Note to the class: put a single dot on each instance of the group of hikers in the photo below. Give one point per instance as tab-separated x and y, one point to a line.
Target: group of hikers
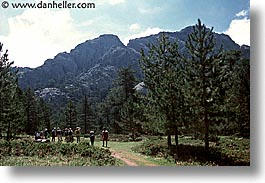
69	135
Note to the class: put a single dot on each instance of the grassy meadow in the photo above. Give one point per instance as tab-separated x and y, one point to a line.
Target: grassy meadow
150	151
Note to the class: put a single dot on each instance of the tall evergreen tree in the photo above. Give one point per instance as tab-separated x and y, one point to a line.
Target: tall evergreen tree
109	113
239	99
87	115
129	113
106	115
44	115
11	115
71	115
30	106
126	82
164	79
118	109
207	76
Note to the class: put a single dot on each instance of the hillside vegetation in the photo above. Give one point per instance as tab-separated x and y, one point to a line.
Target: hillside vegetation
29	153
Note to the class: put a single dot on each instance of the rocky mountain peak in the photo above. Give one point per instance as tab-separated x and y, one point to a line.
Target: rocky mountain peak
186	30
92	65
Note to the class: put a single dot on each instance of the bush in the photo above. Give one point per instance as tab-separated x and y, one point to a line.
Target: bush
97	156
154	148
119	138
230	152
125	138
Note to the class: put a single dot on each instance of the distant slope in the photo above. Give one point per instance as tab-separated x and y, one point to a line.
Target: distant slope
91	66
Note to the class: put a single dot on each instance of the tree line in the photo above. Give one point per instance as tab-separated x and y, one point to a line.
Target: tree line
24	112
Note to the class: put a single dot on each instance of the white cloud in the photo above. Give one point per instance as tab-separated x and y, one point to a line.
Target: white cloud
239	31
36	35
86	23
242	13
149	10
135	27
149	31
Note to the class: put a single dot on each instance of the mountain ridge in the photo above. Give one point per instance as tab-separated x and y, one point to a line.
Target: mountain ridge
91	66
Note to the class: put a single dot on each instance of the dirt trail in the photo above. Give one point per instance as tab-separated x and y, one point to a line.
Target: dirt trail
130	158
126	161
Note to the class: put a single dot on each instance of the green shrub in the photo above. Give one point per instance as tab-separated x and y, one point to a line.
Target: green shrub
96	156
156	148
231	151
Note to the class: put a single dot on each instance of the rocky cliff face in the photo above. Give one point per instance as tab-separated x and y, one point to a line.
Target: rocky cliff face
91	66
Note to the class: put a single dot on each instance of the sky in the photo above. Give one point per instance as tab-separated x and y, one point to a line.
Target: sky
35	35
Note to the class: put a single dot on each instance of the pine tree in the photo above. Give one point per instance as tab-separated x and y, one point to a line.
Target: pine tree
207	77
30	106
239	98
163	76
126	82
242	87
87	115
129	114
227	115
109	111
70	115
104	113
119	107
44	115
10	112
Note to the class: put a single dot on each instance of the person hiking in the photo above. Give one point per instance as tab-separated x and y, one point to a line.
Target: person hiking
92	137
70	133
41	134
66	135
53	134
105	136
77	134
37	136
59	134
46	133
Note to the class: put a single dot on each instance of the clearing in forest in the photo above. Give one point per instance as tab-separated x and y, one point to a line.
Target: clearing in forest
123	151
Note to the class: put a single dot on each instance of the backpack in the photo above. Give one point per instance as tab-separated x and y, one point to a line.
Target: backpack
46	133
91	134
53	133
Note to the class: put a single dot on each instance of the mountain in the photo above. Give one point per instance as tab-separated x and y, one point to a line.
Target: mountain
91	67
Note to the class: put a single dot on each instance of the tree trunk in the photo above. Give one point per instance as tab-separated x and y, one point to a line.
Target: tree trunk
169	140
206	138
85	121
206	122
176	139
133	134
132	125
8	135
